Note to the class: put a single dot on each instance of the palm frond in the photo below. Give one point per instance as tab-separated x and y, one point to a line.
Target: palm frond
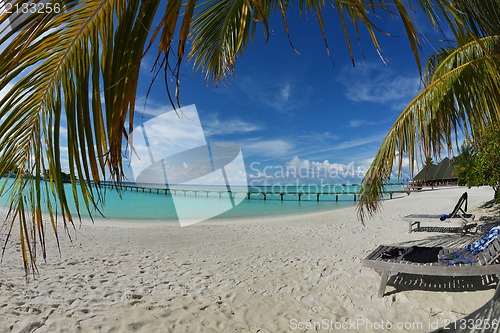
222	30
482	17
462	97
85	53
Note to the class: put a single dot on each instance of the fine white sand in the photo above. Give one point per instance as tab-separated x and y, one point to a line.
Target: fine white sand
280	274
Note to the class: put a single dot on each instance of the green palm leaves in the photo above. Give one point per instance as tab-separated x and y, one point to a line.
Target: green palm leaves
222	29
461	96
80	66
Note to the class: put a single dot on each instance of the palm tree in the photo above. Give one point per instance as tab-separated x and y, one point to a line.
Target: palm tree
460	96
53	60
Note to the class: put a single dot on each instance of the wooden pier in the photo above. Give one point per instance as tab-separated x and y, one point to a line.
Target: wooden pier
249	194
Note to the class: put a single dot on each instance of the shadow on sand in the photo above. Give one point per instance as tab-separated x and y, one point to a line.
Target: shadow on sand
485	319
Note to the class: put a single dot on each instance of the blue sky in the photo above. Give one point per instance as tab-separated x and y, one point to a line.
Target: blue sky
308	111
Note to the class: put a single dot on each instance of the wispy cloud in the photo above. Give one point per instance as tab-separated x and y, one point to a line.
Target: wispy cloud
311	147
358	142
280	94
272	148
337	145
150	107
312	138
285	91
354	123
213	125
375	83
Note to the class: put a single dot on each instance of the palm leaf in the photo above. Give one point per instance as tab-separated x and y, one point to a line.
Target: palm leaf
462	97
84	51
222	29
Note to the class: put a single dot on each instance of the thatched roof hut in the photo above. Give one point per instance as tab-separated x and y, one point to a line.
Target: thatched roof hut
441	174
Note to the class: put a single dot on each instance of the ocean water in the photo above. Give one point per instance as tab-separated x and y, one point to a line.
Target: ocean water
140	204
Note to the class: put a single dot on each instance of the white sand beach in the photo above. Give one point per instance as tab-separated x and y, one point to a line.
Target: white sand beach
279	274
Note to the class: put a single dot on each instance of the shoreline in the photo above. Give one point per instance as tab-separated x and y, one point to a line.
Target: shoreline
136	223
273	274
133	223
134	205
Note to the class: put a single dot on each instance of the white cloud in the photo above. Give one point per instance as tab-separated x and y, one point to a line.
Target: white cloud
354	123
375	83
213	125
150	107
285	92
349	144
64	158
317	137
305	171
273	148
327	170
280	94
309	145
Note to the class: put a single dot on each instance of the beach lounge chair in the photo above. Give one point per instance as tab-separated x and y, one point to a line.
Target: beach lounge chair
458	214
391	260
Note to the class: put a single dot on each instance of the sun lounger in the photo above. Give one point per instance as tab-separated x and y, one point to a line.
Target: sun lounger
391	260
458	220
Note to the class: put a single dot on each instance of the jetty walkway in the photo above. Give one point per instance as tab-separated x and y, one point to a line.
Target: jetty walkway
249	194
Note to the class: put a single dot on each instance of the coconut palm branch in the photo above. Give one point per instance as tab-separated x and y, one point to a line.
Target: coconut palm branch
80	66
461	96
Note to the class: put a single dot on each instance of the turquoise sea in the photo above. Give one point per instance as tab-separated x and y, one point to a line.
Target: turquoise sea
140	204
